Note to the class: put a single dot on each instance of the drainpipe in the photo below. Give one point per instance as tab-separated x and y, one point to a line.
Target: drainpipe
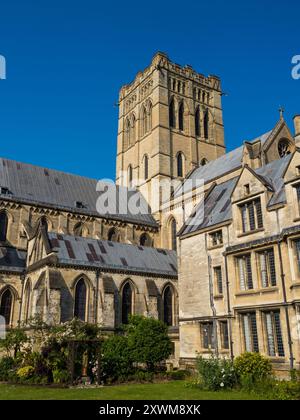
228	310
285	306
211	298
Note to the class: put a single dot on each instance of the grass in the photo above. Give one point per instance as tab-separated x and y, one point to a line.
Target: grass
175	390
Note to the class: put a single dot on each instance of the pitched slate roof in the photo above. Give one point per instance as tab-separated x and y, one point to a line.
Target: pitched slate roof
217	204
50	188
215	209
108	255
12	259
216	168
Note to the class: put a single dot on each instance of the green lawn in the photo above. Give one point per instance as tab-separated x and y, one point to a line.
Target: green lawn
169	391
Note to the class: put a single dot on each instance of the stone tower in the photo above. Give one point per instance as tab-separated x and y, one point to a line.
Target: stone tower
170	121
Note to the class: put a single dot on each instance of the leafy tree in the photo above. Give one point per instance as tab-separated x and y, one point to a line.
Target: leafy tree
148	341
14	341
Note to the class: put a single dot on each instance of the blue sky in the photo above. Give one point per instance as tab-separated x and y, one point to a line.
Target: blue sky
66	61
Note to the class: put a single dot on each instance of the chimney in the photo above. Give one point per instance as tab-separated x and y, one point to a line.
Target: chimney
297	129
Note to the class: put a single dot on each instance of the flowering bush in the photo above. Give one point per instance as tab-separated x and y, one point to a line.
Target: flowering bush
215	373
25	372
251	368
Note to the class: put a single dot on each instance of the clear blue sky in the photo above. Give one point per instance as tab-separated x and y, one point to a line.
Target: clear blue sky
67	59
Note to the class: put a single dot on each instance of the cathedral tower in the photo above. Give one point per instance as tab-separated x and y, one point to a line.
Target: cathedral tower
170	121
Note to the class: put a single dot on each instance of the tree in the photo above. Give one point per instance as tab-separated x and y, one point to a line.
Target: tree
148	341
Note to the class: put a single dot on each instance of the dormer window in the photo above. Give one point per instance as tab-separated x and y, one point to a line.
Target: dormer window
251	214
284	148
216	238
4	190
79	205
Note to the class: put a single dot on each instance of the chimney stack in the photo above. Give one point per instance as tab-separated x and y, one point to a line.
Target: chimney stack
297	129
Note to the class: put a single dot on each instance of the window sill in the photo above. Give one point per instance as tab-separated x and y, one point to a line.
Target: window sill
218	297
211	248
257	291
251	232
295	285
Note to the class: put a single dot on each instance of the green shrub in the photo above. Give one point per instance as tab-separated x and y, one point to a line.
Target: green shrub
142	376
215	373
60	376
116	359
7	368
25	372
148	341
251	368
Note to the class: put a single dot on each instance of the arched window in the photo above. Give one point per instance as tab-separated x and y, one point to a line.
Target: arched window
181	116
126	303
6	305
3	226
127	133
145	240
146	167
27	294
204	162
197	122
149	127
180	164
129	174
173	233
168	306
206	124
78	229
44	223
284	148
144	121
132	130
172	119
80	300
113	235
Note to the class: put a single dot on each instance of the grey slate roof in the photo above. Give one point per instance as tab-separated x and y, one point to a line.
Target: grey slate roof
12	259
216	208
47	187
224	164
217	205
108	255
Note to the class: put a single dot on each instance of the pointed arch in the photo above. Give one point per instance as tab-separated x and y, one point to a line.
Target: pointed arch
197	122
80	229
145	239
206	124
113	235
80	300
173	234
168	305
172	118
3	225
180	164
43	222
7	298
129	175
132	130
149	126
181	116
27	301
127	134
127	295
